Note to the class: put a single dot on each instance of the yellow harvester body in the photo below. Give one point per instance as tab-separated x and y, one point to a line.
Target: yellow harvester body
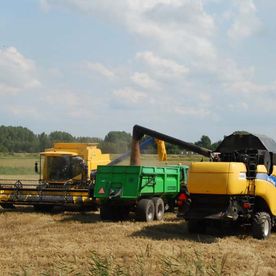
66	178
229	179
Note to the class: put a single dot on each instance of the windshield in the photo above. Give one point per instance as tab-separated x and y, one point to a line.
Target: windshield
60	168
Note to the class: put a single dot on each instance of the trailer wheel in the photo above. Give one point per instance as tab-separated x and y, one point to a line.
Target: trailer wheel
261	225
114	212
159	208
123	213
106	212
196	226
145	210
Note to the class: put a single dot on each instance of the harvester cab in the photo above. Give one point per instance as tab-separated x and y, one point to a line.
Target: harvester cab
238	185
252	150
74	162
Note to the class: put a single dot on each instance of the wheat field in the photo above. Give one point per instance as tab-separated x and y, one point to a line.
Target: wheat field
73	243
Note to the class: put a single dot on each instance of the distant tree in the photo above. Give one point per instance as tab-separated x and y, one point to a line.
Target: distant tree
115	136
204	142
44	141
215	145
21	139
174	149
60	136
88	140
17	139
116	142
3	149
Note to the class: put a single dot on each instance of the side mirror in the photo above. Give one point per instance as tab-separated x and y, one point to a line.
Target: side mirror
36	167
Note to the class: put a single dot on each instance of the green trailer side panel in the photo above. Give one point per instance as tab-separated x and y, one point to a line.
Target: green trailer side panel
158	180
112	179
132	182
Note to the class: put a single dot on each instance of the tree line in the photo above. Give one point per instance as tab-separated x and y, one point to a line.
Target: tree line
21	139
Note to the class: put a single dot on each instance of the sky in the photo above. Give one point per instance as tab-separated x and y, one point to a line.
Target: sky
186	68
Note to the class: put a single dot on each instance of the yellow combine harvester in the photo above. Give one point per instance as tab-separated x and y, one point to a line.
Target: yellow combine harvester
66	178
67	173
237	185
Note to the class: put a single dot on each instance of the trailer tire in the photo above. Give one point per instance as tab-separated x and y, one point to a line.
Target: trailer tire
106	212
114	212
261	225
159	208
196	226
123	213
145	210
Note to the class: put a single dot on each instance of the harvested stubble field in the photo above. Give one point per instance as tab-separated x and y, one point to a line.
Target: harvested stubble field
70	243
73	243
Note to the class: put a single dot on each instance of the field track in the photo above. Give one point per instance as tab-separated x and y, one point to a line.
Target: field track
70	243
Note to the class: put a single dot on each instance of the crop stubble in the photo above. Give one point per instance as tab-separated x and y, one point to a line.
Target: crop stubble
72	243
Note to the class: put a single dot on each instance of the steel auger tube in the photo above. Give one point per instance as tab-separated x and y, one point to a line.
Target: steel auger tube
138	132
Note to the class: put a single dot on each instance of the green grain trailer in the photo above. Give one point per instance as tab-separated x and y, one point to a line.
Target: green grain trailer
148	191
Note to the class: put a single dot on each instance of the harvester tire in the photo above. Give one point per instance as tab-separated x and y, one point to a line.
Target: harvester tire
196	226
261	225
159	208
7	206
145	210
43	208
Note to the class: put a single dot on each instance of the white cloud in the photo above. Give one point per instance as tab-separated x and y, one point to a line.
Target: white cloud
205	98
246	22
100	69
228	71
18	110
44	5
6	89
178	27
196	112
162	66
181	51
69	103
129	96
65	98
251	87
55	72
235	79
236	107
145	81
17	73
